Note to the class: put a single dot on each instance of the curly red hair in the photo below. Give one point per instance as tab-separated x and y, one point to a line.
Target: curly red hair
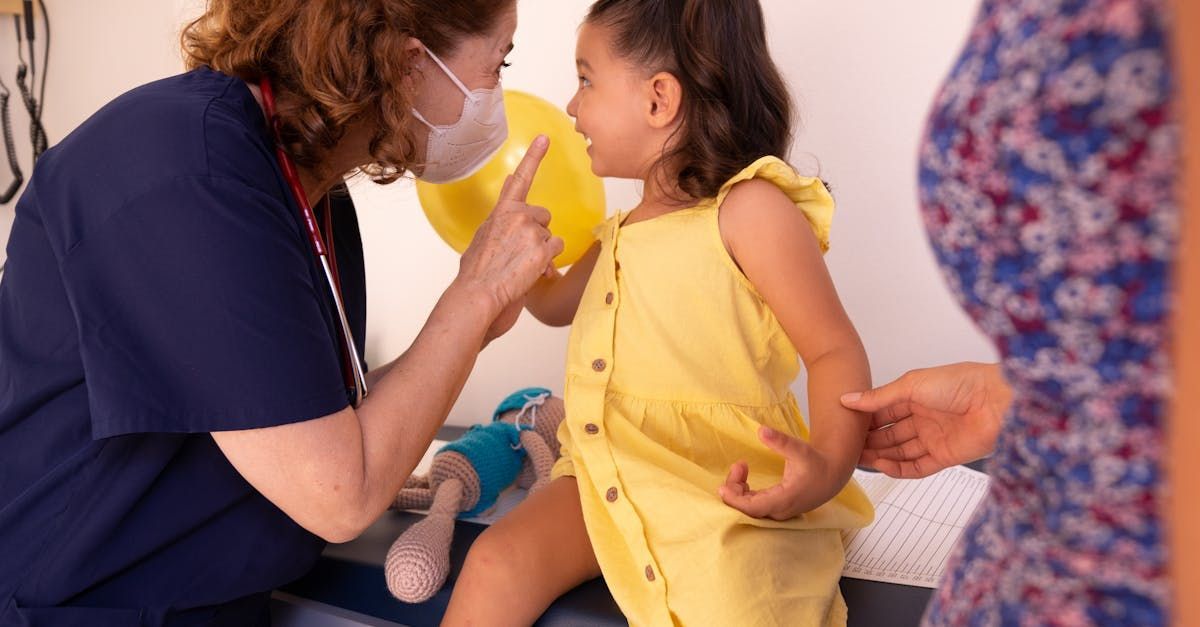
339	62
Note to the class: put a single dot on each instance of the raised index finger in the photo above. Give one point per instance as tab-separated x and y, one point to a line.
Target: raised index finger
516	187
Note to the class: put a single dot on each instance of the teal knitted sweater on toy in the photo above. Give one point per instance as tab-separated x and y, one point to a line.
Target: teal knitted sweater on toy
495	450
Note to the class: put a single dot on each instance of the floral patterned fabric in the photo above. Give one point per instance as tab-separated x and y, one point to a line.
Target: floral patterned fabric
1047	181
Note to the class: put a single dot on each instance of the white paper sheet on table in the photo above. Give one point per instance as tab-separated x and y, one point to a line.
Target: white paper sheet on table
917	522
427	461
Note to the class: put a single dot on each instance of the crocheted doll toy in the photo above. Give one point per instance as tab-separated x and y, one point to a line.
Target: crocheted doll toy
519	446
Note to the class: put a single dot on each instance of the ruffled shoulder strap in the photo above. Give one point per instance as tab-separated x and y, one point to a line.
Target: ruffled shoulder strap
808	192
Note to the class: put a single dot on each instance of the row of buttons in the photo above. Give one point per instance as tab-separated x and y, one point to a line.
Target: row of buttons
612	496
600	365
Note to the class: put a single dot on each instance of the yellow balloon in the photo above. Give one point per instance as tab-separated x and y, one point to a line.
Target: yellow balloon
564	183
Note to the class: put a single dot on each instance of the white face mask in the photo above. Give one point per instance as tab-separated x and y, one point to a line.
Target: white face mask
461	149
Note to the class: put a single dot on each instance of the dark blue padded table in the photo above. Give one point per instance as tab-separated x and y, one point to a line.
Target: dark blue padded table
350	576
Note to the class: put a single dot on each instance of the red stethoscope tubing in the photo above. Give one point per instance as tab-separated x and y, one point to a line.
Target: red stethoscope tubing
354	377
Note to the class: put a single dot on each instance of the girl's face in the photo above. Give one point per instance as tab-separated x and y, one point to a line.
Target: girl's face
608	108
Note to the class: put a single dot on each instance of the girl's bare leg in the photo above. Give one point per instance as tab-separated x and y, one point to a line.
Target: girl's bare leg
525	561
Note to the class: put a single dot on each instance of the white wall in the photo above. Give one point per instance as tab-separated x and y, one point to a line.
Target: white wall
99	49
863	72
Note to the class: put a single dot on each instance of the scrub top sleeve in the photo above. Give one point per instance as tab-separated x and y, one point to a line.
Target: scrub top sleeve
198	311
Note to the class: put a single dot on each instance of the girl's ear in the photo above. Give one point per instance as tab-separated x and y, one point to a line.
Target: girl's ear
664	95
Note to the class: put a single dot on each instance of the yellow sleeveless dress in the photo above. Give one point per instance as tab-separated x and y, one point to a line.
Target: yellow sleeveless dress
674	362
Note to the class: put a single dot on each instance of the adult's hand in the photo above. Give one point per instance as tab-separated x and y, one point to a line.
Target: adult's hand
933	418
513	247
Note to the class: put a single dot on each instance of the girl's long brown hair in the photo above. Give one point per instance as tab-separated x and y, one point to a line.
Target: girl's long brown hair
338	62
736	106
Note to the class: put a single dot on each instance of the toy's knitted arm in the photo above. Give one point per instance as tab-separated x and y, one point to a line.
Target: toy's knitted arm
417	481
416	494
419	560
414	498
540	456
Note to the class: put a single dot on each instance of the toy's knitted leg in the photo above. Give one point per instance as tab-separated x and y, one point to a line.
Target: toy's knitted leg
419	560
541	457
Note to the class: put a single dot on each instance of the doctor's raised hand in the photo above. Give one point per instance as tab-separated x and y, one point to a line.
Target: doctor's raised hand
513	247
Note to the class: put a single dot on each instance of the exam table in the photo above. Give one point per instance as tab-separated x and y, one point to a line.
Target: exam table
347	588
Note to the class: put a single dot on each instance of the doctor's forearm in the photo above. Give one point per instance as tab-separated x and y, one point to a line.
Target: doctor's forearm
376	374
336	474
410	402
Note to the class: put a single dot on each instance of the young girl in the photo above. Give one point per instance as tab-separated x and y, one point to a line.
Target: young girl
689	313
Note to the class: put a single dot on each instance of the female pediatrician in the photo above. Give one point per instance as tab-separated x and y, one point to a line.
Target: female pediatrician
183	414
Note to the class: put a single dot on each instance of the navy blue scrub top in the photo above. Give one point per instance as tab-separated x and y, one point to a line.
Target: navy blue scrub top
159	287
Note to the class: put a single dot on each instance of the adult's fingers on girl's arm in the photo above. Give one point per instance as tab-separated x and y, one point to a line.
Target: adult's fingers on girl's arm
911	449
516	187
890	414
895	411
919	468
892	434
886	466
896	392
909	469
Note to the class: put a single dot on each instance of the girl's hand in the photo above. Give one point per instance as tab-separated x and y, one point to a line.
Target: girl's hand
513	247
805	471
931	419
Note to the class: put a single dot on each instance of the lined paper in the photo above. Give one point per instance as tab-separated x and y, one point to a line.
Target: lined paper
917	523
